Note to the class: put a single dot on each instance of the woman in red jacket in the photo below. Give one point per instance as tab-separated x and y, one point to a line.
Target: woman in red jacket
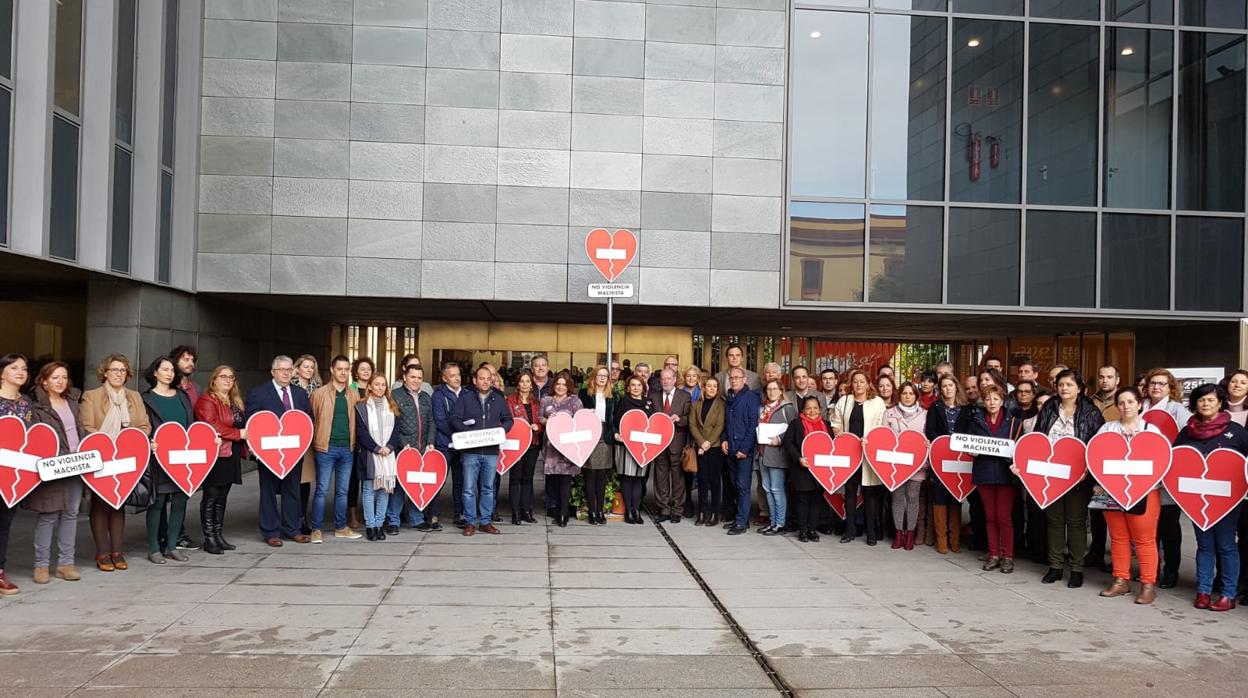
524	404
222	407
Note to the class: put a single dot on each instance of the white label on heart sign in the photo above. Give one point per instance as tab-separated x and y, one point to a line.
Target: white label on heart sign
983	445
278	443
610	253
510	444
896	457
827	460
478	438
69	465
645	437
1196	485
964	467
419	477
193	457
1047	469
19	461
1128	467
575	437
117	467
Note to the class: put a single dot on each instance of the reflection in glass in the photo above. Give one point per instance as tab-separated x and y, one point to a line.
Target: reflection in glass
1138	94
908	107
1209	264
68	76
1211	122
1143	11
906	259
989	7
933	5
983	256
119	245
1135	261
164	242
1066	9
1061	131
63	218
987	112
829	116
1061	259
825	251
1212	13
836	3
123	129
170	90
6	38
6	99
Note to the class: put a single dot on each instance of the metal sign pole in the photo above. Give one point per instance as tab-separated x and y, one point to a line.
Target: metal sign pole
610	335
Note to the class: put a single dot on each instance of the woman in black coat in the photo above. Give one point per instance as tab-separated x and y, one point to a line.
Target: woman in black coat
802	482
992	476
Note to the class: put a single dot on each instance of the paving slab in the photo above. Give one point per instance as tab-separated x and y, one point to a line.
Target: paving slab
671	672
221	670
22	671
251	641
255	615
445	673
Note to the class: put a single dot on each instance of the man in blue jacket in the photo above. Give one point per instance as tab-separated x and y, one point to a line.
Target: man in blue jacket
444	398
483	408
278	396
741	421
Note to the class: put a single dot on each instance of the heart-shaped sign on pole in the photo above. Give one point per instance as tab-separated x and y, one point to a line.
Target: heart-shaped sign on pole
832	461
1049	469
1164	422
21	449
611	252
186	454
837	501
894	457
512	449
1128	470
279	443
574	435
125	461
954	469
421	474
1206	488
645	438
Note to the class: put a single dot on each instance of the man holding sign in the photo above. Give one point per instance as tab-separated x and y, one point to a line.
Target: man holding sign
278	397
475	413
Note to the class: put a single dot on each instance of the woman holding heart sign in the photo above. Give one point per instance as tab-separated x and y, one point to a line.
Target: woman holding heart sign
377	434
221	406
14	373
524	405
858	413
907	415
57	502
597	396
1163	392
559	470
165	403
632	475
942	419
805	486
992	474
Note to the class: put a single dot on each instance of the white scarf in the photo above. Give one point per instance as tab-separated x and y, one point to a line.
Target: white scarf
380	426
118	415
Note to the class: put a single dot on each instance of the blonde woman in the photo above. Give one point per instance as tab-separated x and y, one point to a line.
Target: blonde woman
222	407
377	434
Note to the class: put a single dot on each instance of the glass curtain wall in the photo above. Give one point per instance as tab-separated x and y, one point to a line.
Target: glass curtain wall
66	130
1087	155
6	112
123	137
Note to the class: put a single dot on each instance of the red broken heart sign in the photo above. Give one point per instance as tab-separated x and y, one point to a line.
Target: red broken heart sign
1128	471
837	501
952	468
832	461
894	457
645	438
279	443
611	252
1049	469
186	454
1164	422
1206	488
125	461
574	435
20	450
421	475
512	449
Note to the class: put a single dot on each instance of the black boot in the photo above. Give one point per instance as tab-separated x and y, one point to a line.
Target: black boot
208	520
220	519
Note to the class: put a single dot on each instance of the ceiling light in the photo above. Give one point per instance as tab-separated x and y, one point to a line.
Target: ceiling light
973	43
1128	51
815	35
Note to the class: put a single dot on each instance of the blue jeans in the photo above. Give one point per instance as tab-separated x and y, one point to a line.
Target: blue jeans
744	480
337	461
1218	542
479	470
454	466
394	510
773	485
374	503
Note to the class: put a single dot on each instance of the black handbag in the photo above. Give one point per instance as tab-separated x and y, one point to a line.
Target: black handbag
144	494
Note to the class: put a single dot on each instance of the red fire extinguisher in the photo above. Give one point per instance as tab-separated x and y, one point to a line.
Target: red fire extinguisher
973	154
994	152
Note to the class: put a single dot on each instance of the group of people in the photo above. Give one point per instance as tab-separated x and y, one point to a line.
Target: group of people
363	420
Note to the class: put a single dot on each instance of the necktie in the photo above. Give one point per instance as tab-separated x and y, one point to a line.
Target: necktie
286	398
667	403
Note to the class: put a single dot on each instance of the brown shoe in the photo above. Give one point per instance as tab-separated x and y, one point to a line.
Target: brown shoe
274	542
104	563
300	538
67	572
1120	587
7	588
490	528
470	530
119	561
41	575
1148	593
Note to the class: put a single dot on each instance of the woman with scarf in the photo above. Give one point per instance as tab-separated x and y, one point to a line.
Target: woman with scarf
523	405
1209	429
109	409
942	418
597	396
992	475
165	402
632	475
57	502
806	488
308	377
222	407
377	443
770	459
857	413
558	469
907	415
1162	391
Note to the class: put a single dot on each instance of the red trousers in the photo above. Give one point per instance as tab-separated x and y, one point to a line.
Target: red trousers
1126	530
998	509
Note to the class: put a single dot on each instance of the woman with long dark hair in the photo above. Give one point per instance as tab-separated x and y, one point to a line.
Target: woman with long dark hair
14	373
706	430
57	502
558	469
524	404
632	475
596	396
942	418
805	487
222	407
165	402
857	413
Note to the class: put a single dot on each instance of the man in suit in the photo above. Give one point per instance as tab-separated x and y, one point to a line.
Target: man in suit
416	430
804	387
736	359
278	396
669	479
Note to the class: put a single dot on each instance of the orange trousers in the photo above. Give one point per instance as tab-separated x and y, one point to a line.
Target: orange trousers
1140	530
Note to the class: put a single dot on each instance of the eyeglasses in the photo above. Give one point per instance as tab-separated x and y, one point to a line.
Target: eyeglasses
1159	384
115	370
225	377
284	370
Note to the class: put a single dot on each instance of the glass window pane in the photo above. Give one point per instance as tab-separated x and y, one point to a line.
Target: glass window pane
934	5
906	247
1212	13
119	248
1143	11
989	7
908	97
987	128
1135	261
6	38
1138	94
836	3
170	89
68	55
829	116
1061	131
165	242
983	256
1211	122
1061	259
1209	264
124	126
63	219
6	99
1066	9
825	251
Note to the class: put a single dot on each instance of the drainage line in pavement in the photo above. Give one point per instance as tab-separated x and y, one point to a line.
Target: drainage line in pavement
784	689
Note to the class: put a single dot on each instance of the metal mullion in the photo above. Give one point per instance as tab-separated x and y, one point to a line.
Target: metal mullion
1176	86
944	256
1024	120
868	180
786	267
1103	58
